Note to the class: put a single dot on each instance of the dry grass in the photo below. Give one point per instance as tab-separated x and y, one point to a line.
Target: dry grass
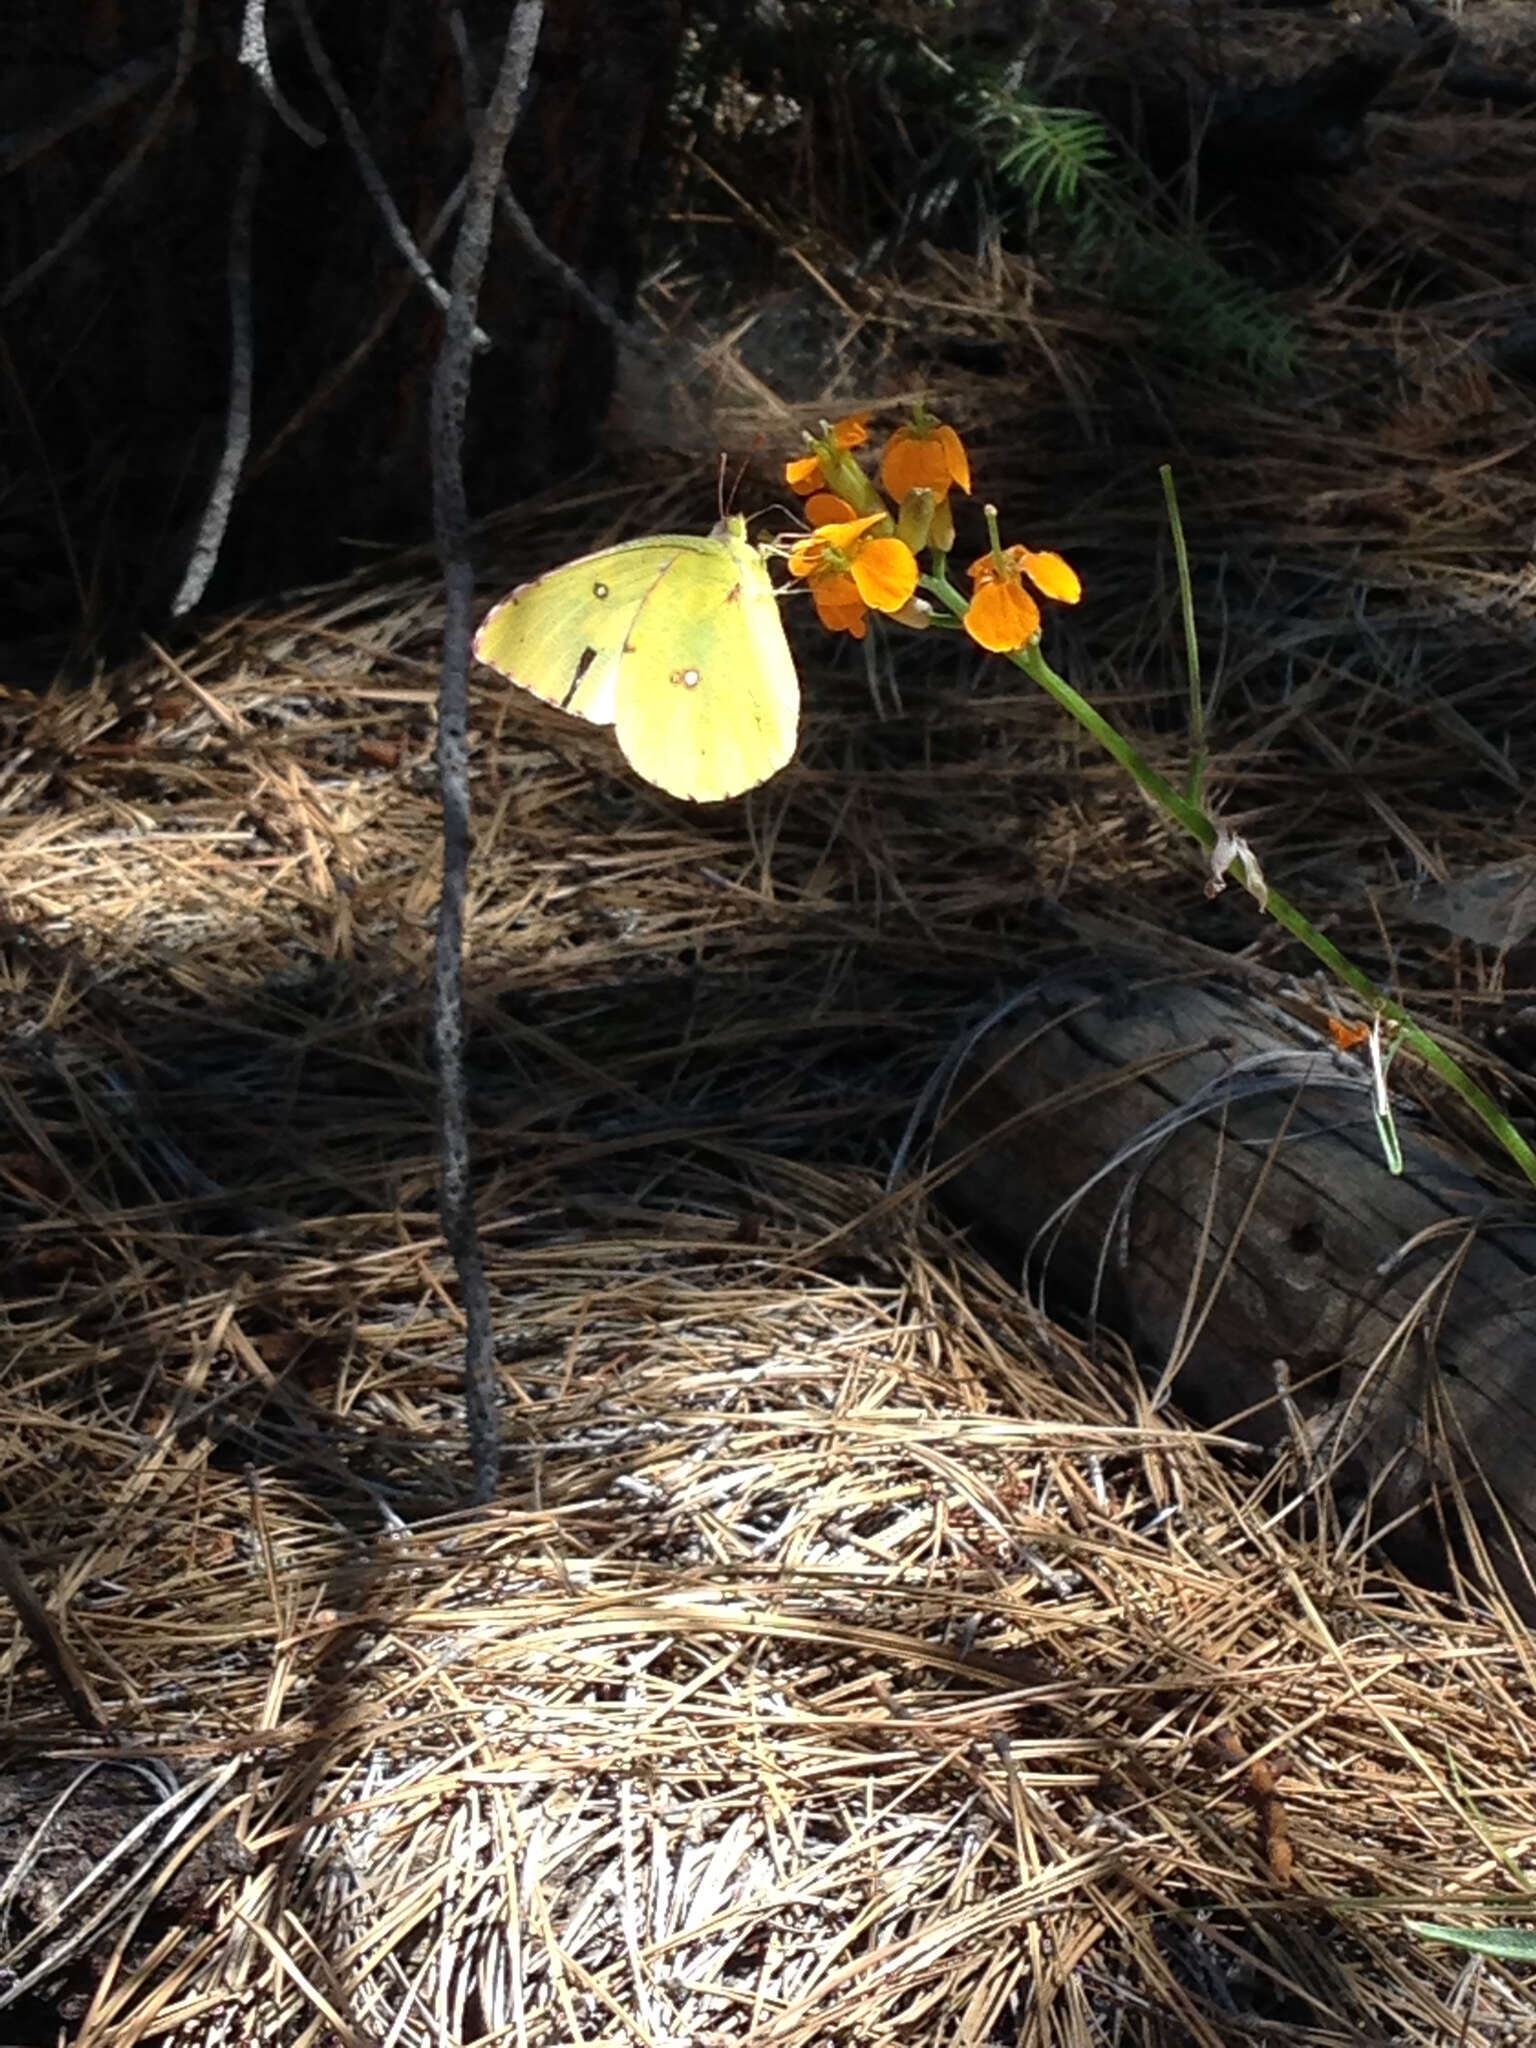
844	1659
847	1658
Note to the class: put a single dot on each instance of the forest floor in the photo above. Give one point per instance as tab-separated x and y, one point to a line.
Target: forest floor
852	1654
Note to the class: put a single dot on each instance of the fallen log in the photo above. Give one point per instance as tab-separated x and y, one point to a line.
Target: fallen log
1194	1163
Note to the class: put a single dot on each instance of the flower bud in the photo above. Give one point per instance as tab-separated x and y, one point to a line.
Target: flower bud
915	520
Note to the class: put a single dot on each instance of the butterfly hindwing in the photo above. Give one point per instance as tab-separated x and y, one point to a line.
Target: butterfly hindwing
708	711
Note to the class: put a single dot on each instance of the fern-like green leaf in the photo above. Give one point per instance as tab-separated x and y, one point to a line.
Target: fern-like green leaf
1046	152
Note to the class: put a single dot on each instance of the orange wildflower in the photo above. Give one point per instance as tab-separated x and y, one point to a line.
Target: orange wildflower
852	570
924	455
1002	615
807	473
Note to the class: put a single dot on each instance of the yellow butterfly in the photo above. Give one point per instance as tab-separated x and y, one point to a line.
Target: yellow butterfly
676	642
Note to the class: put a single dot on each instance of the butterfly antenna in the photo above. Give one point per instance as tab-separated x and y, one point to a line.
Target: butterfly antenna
726	498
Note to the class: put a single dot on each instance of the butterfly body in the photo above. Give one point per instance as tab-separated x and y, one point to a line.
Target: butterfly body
676	642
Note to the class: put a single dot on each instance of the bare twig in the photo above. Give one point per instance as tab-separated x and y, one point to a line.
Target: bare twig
186	42
237	432
368	170
513	212
101	99
49	1645
257	59
450	398
335	381
45	469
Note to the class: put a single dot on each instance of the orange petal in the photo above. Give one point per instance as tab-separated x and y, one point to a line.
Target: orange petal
853	431
804	475
1051	576
805	557
825	510
985	570
959	461
1002	617
843	534
886	574
836	589
913	462
838	604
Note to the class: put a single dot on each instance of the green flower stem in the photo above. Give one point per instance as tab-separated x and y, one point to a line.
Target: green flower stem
1191	640
1197	823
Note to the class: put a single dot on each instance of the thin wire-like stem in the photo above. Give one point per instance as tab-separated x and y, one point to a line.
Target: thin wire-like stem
450	510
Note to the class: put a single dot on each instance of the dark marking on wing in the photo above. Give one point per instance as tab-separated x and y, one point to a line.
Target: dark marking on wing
588	656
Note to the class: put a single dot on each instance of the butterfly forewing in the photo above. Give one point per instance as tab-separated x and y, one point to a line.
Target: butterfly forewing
563	635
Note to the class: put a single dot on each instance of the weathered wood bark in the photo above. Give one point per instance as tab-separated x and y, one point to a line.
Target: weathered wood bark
1195	1165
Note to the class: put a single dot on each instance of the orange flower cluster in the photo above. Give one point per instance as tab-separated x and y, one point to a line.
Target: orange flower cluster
853	570
861	556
